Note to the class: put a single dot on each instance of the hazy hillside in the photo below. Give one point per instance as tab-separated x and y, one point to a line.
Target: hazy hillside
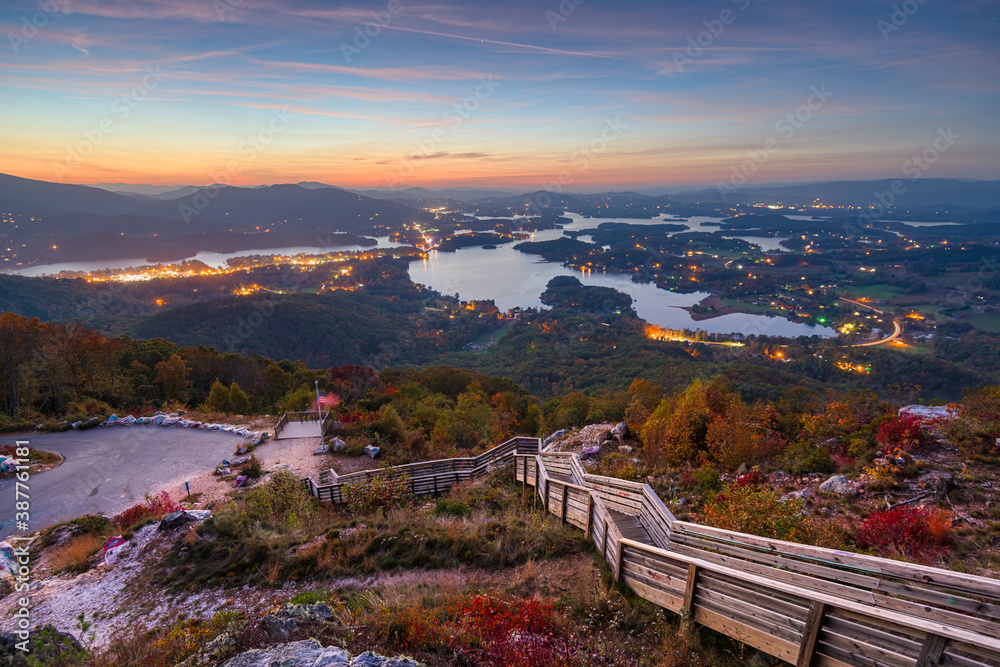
321	330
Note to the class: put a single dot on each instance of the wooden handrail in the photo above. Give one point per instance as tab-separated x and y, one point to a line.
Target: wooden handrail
796	616
803	604
829	600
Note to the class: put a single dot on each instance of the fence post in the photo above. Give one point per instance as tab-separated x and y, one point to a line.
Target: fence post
689	588
814	621
618	559
565	493
590	511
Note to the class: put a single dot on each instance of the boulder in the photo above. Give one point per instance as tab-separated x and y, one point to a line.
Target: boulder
838	485
175	520
305	653
279	627
625	449
181	517
46	646
552	438
804	494
310	653
307	612
938	482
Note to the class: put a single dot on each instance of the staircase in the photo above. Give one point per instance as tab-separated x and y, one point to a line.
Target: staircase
805	605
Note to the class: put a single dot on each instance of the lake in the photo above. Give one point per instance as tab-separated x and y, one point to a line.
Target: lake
512	278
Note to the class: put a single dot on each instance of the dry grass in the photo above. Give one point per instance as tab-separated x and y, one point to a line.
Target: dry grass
74	554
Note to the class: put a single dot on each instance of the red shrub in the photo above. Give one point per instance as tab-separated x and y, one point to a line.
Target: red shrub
902	432
513	632
158	506
913	532
753	478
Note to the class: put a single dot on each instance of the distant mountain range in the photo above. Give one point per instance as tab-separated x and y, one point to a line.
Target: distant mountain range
77	219
119	220
921	192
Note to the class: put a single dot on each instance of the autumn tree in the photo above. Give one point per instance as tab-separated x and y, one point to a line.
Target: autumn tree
644	397
239	402
173	376
218	398
18	339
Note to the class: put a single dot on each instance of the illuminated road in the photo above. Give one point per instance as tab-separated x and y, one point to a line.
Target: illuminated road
863	305
895	334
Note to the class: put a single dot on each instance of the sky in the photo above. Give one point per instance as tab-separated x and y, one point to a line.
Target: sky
577	95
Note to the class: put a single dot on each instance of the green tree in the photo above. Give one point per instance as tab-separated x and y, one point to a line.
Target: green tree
218	398
239	402
299	400
173	376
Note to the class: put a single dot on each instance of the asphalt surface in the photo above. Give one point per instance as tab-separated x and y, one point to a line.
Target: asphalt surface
108	470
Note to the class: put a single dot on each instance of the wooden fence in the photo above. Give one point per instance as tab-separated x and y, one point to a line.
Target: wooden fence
805	605
427	477
280	426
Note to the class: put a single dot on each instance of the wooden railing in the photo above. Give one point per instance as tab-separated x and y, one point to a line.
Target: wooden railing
326	419
427	477
279	427
805	605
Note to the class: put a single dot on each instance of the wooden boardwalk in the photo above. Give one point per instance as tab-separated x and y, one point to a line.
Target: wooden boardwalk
301	430
807	606
302	425
631	527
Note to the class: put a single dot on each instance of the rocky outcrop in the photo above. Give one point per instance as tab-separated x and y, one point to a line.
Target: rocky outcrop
839	485
46	645
310	653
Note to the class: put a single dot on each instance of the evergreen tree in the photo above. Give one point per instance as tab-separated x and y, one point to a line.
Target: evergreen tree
239	403
218	398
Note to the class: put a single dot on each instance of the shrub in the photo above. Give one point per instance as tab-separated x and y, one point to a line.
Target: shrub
91	523
706	479
502	632
48	647
884	475
218	398
154	508
901	432
454	508
916	533
803	458
383	491
757	510
239	402
755	477
74	555
618	465
252	468
282	502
